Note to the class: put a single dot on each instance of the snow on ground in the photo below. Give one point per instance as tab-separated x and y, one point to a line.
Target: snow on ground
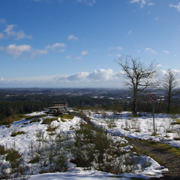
122	124
140	127
79	174
22	142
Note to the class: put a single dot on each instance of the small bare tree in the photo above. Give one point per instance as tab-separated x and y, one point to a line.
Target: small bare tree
170	84
139	77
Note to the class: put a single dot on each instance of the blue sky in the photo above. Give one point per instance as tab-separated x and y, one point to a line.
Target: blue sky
75	43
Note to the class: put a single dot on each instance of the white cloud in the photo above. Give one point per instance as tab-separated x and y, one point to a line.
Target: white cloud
96	78
56	45
83	53
87	2
115	48
102	74
17	50
175	6
159	65
166	52
16	34
2	79
150	50
142	2
79	77
72	37
37	52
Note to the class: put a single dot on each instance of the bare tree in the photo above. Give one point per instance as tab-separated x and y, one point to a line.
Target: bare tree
139	77
169	84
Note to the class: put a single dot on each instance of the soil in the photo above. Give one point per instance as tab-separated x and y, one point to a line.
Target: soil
162	156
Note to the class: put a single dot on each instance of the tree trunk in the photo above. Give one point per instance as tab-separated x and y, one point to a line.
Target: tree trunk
135	102
168	102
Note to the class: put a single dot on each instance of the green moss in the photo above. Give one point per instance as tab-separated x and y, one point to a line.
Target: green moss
12	155
9	120
17	133
177	138
63	120
177	122
33	117
35	120
48	120
50	129
172	149
67	116
2	150
35	159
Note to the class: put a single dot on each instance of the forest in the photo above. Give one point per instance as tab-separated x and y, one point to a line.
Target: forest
13	103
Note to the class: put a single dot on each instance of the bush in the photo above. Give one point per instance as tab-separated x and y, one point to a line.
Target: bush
50	128
48	120
15	133
12	155
2	150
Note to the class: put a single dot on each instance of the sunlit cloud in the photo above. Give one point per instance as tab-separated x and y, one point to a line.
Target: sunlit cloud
37	52
87	2
72	37
10	32
17	50
115	48
96	78
150	50
56	45
177	6
83	53
142	2
166	52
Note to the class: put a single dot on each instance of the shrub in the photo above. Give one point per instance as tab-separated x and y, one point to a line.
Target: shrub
177	122
50	128
48	120
11	119
35	159
15	133
2	150
35	120
67	116
12	155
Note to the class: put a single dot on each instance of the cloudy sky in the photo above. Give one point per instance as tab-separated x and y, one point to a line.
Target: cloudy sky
76	43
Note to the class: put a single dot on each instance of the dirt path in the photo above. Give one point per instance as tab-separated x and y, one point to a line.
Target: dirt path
161	155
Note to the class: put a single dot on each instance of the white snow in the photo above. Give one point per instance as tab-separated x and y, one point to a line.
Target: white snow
79	174
140	127
120	125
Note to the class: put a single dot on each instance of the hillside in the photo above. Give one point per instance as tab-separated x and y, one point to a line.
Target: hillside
85	145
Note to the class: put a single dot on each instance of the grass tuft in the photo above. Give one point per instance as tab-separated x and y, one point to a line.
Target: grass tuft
2	150
48	120
177	122
15	133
